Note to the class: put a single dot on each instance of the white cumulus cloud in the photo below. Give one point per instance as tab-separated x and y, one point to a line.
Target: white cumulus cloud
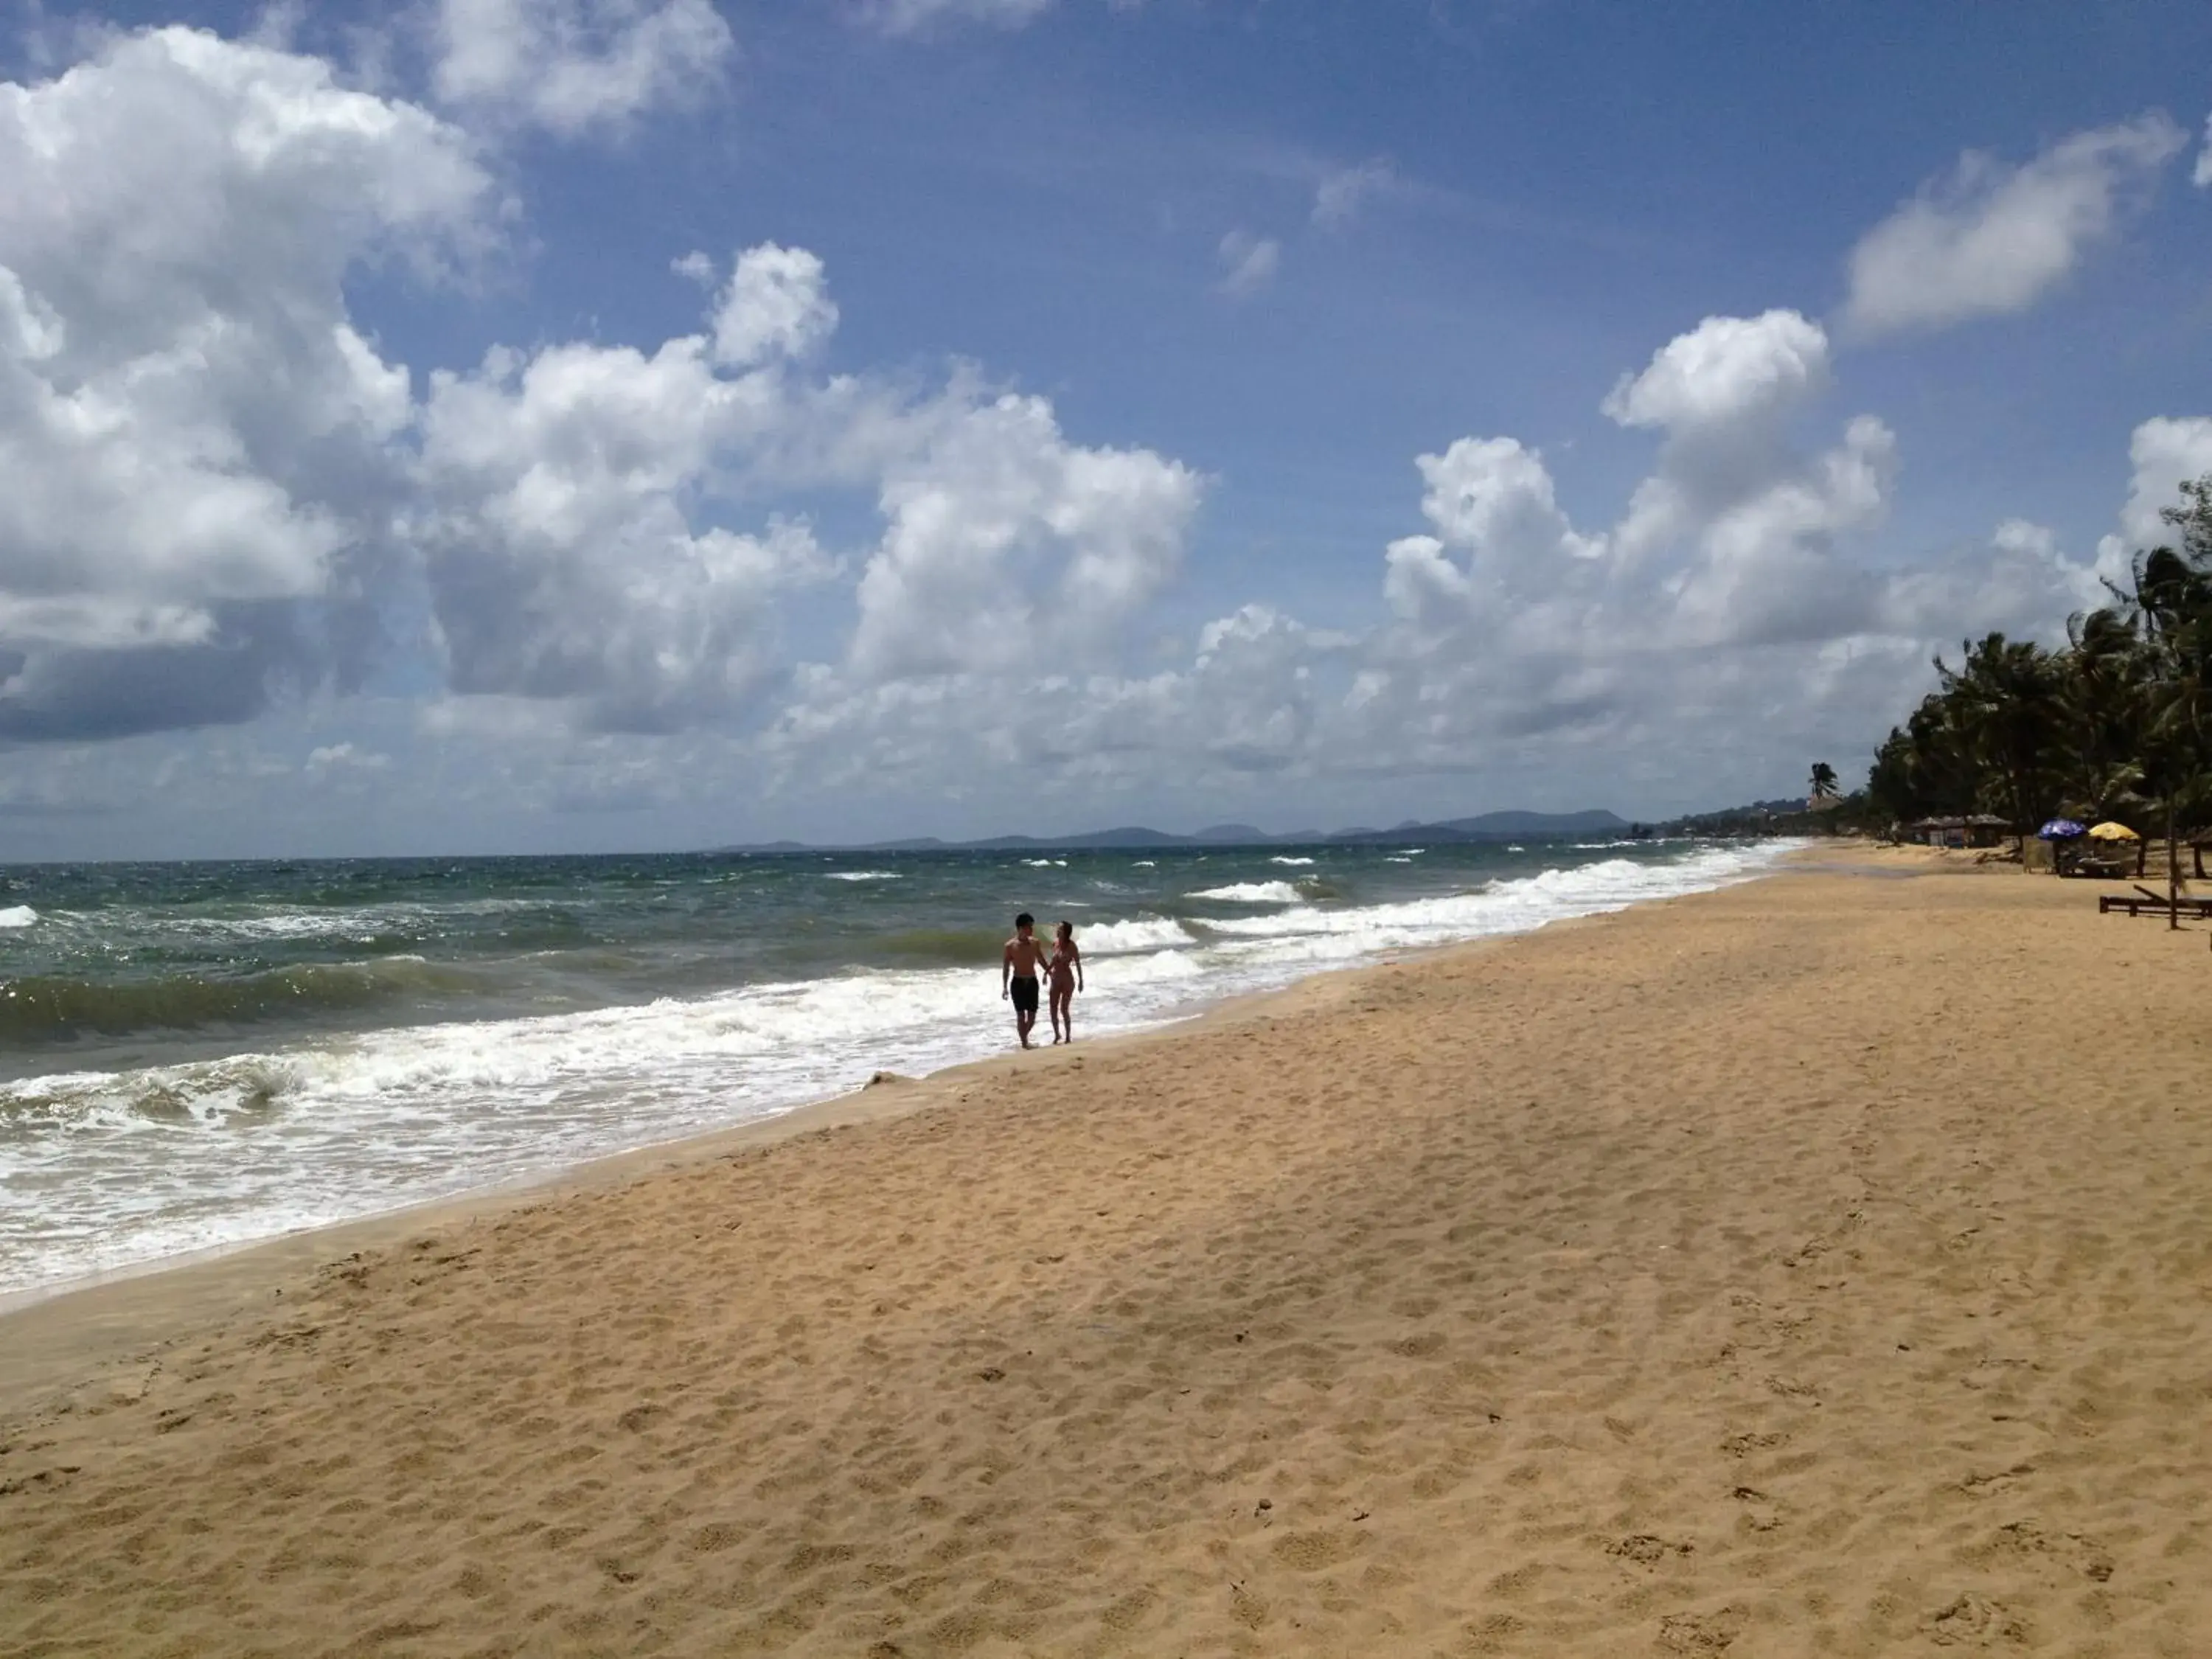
918	16
1725	372
1343	191
340	756
1743	628
573	65
194	432
777	304
1990	238
1731	613
1491	501
1009	549
1728	482
576	547
2166	453
1249	262
214	471
560	545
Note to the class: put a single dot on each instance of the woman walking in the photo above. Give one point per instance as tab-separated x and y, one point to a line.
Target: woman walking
1065	971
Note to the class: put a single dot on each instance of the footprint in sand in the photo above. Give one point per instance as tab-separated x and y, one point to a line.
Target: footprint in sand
2073	1550
1983	1485
1702	1632
1762	1513
1646	1550
1973	1621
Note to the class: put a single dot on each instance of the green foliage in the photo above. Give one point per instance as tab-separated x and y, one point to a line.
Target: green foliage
2117	724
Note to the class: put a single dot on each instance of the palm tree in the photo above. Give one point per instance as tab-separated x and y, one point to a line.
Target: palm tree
2106	677
2116	725
2176	767
1924	769
1824	781
2103	692
2005	701
2169	602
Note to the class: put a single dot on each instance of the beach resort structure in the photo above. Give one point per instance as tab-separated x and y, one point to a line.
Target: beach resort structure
1974	830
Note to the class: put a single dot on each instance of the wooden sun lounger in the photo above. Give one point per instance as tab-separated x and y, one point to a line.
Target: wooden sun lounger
2142	901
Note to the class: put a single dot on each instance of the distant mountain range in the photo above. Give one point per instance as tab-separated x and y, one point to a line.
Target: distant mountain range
1490	826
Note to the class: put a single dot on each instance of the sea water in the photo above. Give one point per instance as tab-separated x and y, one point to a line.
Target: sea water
194	1055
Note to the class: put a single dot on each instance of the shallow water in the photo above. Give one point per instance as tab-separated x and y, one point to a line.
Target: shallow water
194	1055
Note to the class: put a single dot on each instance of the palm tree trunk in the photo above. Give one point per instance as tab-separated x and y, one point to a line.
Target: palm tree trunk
2173	872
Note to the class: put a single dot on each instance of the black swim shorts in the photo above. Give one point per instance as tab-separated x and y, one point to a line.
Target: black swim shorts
1026	994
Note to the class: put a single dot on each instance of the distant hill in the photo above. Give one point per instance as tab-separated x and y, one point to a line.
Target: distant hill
1788	815
1126	836
1490	826
1496	826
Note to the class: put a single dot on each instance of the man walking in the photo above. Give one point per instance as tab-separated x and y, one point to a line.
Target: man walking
1017	975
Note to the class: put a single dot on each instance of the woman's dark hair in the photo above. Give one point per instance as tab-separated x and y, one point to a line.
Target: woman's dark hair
1066	929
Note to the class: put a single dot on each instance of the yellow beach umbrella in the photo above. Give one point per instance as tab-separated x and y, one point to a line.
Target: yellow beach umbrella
2110	831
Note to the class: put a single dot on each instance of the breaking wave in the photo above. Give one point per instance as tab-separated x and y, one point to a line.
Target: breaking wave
1251	892
1145	934
44	1008
145	1161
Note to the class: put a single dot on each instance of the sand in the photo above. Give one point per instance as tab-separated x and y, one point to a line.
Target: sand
1818	1266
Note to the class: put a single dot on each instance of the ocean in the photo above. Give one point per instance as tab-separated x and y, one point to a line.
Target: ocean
197	1055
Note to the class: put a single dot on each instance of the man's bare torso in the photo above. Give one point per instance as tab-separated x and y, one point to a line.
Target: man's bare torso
1025	956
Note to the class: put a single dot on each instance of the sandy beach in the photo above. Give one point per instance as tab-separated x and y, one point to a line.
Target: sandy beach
1814	1267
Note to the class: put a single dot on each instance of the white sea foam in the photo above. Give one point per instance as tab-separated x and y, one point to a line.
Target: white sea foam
18	915
1144	864
358	922
1045	864
1293	863
132	1165
1251	892
1316	934
169	1159
862	875
1144	934
366	922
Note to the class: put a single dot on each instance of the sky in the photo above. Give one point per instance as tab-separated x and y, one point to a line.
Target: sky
576	425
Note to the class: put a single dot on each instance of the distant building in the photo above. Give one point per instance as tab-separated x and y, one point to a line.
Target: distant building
1976	829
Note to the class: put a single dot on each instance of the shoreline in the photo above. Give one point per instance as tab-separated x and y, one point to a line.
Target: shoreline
1799	1266
97	1315
81	1327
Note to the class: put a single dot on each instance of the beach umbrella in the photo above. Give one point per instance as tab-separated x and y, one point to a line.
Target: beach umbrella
2060	829
2110	831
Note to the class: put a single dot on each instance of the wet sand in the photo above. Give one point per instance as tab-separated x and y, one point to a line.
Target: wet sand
1815	1267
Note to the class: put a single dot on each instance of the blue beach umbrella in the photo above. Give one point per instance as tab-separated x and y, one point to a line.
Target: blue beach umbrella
2060	829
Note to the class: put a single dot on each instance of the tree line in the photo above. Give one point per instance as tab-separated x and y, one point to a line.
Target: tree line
2116	724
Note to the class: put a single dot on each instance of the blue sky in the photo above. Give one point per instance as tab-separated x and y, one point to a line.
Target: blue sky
1048	448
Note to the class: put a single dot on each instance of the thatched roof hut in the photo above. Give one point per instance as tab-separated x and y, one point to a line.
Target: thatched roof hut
1974	830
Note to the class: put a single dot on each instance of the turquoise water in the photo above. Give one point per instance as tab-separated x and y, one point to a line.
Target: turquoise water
200	1054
